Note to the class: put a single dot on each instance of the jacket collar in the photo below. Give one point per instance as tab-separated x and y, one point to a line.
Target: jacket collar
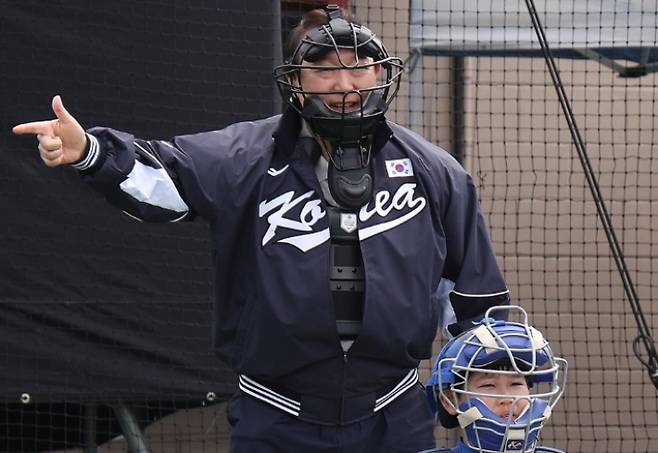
287	132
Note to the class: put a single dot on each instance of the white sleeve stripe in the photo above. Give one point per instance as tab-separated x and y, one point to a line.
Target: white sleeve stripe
481	295
248	391
153	186
132	216
91	157
405	384
245	381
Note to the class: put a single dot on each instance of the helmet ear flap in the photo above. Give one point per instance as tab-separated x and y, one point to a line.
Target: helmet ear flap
446	419
443	378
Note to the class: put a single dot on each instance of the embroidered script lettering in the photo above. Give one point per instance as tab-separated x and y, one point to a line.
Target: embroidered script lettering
404	197
311	213
383	204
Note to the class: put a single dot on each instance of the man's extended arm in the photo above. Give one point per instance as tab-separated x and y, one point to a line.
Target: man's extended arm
142	178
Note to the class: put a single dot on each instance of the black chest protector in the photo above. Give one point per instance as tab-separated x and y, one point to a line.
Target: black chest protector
347	279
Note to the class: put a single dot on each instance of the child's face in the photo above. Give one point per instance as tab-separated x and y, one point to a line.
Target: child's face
500	384
495	384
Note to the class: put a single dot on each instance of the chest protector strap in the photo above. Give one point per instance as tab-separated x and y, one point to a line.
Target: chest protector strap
347	279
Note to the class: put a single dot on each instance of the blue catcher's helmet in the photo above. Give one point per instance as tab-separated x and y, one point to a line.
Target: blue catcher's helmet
506	351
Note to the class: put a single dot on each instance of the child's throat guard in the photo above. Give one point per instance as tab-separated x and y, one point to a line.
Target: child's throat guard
487	432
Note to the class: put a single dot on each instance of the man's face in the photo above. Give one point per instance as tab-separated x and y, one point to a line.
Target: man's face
483	383
328	76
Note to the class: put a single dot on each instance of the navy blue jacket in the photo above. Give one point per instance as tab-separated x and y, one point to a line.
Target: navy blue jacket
273	317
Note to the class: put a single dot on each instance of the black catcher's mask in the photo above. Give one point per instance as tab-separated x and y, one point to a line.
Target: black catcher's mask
350	132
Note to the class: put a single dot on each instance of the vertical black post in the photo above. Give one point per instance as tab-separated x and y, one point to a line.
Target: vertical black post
90	428
277	52
457	111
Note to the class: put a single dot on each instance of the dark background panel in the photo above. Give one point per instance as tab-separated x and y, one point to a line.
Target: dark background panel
95	306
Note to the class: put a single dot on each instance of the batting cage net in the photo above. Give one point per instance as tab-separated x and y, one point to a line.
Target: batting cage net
550	105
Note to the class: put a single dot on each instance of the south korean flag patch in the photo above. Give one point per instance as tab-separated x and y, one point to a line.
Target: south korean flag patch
399	168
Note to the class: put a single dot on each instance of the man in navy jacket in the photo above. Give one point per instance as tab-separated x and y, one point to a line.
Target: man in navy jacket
296	202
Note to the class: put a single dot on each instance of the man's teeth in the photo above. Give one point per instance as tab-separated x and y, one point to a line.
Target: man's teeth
347	106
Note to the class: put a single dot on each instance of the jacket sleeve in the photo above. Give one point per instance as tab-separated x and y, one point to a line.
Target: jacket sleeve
151	180
470	261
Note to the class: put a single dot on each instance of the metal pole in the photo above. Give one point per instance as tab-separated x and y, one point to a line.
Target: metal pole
457	100
131	431
415	101
277	52
90	428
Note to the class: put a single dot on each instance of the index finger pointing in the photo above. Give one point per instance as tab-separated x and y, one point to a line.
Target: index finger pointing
36	127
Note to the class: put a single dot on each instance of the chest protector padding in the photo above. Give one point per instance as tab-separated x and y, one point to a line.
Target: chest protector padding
347	273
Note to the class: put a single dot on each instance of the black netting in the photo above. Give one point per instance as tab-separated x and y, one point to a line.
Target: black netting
481	88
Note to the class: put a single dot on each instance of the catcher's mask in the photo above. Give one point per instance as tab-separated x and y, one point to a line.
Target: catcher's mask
497	348
348	131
